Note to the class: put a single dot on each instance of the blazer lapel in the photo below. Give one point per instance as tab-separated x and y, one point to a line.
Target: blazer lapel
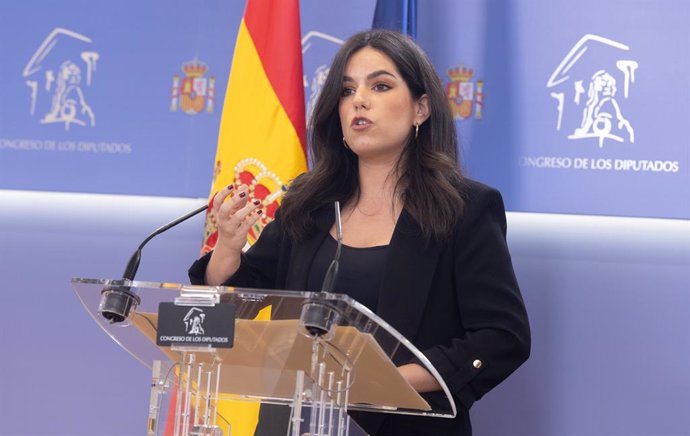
407	277
303	252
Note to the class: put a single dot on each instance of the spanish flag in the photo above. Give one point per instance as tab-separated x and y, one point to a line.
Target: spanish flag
262	136
261	141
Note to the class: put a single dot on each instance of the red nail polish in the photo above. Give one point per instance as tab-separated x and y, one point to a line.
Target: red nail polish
231	187
243	194
259	212
257	202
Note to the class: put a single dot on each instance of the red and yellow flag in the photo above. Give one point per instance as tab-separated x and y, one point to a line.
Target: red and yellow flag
262	136
261	141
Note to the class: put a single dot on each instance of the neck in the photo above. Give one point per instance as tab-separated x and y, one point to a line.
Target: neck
377	181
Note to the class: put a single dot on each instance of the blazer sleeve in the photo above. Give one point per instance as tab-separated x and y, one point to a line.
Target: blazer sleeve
258	266
496	338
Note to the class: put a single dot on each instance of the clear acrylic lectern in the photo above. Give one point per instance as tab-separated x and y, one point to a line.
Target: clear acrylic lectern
318	355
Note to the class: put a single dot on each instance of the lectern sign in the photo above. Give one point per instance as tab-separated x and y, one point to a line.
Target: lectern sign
196	325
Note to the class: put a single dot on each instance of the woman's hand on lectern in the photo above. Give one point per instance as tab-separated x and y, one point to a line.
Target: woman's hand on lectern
419	378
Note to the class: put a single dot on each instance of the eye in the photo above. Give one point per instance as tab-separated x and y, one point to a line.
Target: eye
380	87
347	91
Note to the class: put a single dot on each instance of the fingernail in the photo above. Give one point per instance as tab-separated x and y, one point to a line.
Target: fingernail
231	187
257	202
259	212
243	194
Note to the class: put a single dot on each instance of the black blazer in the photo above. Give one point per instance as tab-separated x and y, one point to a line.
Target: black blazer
458	301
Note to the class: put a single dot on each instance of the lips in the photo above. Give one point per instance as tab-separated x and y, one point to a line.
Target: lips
359	123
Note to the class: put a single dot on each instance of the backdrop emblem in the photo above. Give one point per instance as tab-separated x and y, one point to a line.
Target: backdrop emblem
58	74
465	95
193	93
590	85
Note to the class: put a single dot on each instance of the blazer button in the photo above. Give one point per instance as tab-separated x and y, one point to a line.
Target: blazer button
477	363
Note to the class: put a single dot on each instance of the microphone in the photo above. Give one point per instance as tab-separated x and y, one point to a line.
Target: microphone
332	272
133	264
318	316
117	302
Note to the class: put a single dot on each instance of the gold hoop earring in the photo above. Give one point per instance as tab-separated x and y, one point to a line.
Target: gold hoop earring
416	130
345	144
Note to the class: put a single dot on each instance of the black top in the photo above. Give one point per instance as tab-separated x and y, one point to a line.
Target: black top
360	271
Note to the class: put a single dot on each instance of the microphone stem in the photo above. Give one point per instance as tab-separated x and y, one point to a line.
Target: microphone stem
332	272
172	224
133	264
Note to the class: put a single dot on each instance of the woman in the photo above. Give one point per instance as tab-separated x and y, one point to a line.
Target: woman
426	247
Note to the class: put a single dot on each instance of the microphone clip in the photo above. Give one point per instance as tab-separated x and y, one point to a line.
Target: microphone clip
117	303
318	317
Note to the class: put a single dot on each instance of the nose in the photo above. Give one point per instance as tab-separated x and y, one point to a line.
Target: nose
360	99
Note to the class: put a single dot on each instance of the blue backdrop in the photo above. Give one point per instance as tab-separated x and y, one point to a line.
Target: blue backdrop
563	108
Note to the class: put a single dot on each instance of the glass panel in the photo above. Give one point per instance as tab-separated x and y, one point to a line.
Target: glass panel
359	349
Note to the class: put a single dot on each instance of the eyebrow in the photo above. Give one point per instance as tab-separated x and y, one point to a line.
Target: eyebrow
371	75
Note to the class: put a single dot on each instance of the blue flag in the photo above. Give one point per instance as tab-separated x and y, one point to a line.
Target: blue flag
400	15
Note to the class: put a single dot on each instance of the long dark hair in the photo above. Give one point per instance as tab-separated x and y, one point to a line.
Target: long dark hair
429	180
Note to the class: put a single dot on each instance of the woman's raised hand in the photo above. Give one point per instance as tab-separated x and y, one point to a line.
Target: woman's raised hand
234	215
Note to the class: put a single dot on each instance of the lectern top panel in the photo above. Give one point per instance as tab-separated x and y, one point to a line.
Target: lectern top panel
274	340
